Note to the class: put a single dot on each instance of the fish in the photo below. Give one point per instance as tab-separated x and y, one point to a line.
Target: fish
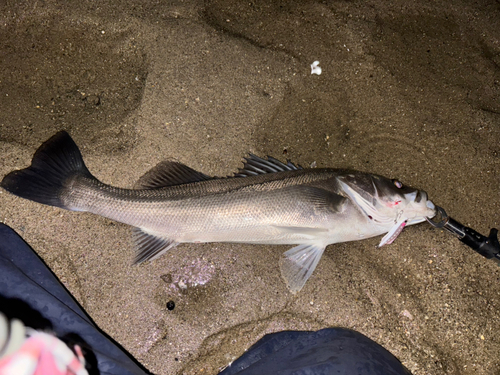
265	202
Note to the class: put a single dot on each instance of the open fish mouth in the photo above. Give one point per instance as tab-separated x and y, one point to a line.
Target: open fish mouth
421	196
395	231
418	198
432	206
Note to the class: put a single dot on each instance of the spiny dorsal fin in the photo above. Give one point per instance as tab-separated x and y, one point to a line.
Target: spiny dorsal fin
254	166
148	246
169	173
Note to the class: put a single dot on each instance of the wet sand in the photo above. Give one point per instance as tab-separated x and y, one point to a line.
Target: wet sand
407	90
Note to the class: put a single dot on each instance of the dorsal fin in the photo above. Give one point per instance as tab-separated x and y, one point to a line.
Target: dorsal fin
169	173
254	166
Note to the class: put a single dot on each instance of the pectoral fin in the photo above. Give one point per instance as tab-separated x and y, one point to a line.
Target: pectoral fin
299	263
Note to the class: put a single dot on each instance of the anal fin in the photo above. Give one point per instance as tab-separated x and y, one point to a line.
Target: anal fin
299	263
149	246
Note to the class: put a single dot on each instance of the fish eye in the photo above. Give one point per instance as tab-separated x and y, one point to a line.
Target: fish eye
398	184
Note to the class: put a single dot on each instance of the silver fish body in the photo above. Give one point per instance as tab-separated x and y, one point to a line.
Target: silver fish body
267	202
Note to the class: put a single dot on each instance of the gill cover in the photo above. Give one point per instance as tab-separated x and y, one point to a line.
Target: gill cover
367	198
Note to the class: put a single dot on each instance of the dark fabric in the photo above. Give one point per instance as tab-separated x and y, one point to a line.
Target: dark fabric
330	351
25	280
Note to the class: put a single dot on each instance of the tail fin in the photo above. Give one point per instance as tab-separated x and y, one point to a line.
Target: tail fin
54	162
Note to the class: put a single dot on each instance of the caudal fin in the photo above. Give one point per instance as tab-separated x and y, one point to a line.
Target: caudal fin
53	164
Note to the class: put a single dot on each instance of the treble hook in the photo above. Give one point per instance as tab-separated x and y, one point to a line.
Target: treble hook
488	247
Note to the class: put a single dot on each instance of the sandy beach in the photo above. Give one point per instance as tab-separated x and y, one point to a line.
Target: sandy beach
408	90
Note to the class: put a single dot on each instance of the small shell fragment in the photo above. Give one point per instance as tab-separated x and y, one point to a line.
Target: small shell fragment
315	69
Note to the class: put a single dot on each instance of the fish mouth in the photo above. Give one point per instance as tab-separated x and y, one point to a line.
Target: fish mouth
422	197
420	194
431	205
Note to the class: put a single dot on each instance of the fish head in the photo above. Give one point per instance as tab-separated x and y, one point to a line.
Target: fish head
402	202
388	203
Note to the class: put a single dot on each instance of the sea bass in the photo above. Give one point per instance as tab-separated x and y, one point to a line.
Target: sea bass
267	202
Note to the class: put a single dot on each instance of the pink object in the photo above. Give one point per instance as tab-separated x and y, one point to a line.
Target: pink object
397	233
44	354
